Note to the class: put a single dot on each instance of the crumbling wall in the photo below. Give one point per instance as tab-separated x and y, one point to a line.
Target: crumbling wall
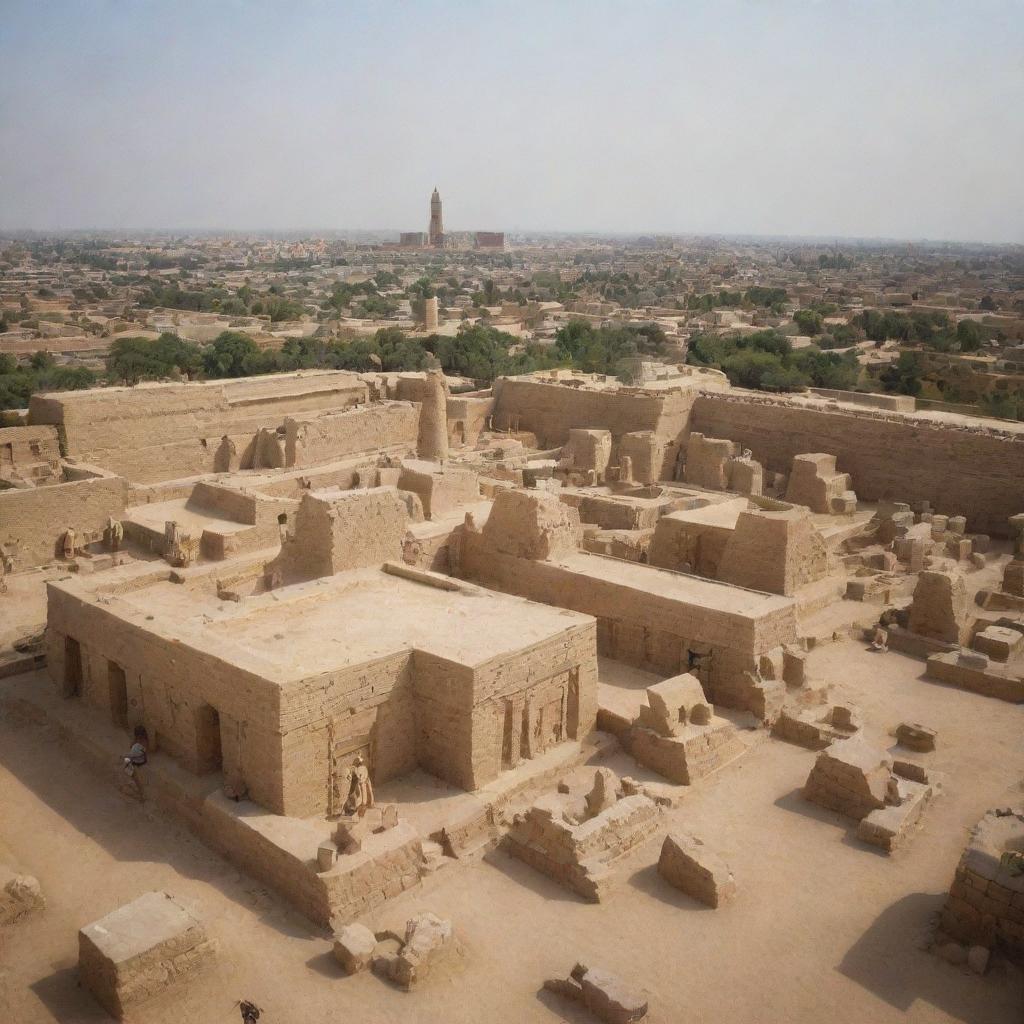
33	519
339	530
468	416
646	452
164	431
22	447
334	435
775	551
960	470
551	410
532	525
939	609
441	489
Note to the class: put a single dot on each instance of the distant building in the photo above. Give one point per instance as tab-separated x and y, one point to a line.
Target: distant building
489	240
436	232
412	239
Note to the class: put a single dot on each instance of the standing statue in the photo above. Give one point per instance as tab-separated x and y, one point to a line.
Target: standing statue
115	534
69	543
360	794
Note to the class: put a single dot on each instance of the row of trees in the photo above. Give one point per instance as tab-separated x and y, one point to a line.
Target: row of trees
478	351
766	361
19	382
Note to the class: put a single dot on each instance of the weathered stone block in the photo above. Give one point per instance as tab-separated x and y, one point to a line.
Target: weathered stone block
140	949
694	869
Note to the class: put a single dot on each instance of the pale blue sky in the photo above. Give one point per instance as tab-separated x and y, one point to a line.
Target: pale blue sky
896	118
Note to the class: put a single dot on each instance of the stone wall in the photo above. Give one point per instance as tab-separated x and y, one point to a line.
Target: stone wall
551	410
654	631
163	431
33	519
334	435
960	470
178	691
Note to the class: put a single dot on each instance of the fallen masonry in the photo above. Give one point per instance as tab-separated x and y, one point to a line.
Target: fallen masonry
854	779
606	996
688	865
576	838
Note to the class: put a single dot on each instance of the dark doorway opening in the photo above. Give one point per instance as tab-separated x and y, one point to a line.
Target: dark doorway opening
208	748
72	667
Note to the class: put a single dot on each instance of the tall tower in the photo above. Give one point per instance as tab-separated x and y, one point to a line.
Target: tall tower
436	231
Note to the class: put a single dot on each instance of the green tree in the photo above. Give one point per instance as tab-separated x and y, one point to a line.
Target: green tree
234	354
809	321
904	375
968	334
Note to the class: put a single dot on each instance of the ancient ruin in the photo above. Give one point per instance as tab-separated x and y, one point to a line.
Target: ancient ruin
378	638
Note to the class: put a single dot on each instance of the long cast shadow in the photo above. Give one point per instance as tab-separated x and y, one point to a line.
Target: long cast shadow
887	960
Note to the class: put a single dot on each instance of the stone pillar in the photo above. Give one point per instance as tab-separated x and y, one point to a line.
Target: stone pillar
432	441
430	313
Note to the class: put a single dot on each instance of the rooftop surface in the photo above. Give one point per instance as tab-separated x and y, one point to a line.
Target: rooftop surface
719	597
355	617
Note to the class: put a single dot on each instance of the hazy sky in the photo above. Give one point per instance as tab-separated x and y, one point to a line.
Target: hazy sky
896	118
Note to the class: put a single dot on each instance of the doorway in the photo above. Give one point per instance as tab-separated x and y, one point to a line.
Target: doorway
72	667
208	746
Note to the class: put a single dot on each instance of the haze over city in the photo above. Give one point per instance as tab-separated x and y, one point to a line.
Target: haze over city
793	118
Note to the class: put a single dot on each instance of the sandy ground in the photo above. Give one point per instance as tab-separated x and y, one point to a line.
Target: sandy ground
823	927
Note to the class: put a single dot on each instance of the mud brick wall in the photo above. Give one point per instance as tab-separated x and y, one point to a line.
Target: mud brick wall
33	520
651	631
170	688
551	410
28	445
167	431
334	435
960	470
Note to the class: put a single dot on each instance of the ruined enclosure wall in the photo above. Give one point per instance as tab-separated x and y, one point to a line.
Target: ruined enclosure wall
159	433
25	445
960	470
551	410
467	417
334	435
169	687
33	520
651	631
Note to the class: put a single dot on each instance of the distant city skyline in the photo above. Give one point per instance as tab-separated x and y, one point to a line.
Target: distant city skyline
792	119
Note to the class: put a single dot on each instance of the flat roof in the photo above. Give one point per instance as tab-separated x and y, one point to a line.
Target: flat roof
720	597
349	619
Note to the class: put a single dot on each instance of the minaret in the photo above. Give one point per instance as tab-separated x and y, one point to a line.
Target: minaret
436	232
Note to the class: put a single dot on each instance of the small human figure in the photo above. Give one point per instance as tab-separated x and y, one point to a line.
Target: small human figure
250	1012
360	794
880	640
69	543
136	757
6	568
